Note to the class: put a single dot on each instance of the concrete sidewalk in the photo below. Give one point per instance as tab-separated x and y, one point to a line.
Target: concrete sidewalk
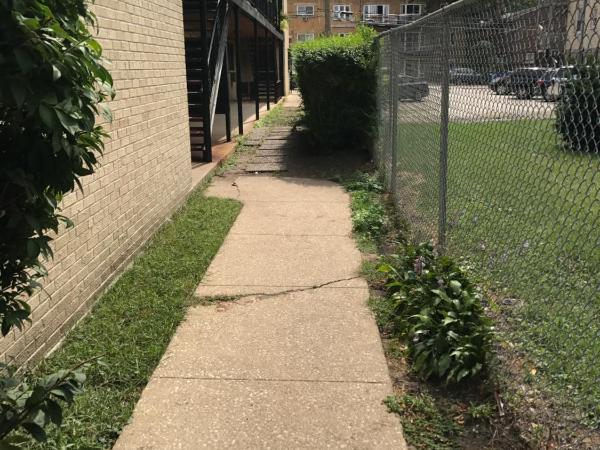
296	360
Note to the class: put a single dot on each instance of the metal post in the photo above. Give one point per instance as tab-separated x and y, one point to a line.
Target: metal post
226	94
238	72
394	46
256	98
206	119
281	69
445	105
268	68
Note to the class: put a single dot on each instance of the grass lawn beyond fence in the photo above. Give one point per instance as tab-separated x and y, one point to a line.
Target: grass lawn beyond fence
133	322
526	214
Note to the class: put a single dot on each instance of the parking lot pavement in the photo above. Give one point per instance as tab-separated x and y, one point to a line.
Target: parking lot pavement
474	104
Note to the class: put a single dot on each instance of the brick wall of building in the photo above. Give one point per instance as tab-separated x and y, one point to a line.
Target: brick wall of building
316	23
143	177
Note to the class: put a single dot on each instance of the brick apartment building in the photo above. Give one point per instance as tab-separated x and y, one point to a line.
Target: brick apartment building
308	19
157	54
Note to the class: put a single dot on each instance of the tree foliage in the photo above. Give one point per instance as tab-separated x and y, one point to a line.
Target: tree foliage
52	85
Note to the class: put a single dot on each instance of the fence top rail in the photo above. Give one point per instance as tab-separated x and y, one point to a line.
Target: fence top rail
434	15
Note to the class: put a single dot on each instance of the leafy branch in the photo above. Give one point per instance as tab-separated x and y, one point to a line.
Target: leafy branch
52	86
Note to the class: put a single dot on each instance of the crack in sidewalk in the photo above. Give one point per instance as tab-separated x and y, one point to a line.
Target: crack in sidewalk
210	300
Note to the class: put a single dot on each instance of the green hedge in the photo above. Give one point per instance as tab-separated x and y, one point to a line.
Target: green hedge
578	109
336	78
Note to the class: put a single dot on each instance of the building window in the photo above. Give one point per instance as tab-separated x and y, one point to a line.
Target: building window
303	37
305	10
376	10
343	34
342	12
411	8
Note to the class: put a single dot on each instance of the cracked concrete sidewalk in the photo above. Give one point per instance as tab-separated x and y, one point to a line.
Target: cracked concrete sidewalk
295	359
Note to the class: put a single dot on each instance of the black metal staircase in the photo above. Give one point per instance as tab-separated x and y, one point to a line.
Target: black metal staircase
206	27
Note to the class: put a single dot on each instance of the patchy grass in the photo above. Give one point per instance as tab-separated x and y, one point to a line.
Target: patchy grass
278	116
425	425
132	323
525	212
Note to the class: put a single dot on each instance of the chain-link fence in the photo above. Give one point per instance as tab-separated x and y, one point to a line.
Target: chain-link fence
489	130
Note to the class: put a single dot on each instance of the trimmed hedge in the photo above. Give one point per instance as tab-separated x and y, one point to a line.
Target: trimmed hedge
578	109
337	80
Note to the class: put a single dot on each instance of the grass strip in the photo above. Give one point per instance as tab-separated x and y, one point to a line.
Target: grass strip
133	322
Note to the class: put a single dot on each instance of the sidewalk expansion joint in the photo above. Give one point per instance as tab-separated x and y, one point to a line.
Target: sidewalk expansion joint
291	235
271	380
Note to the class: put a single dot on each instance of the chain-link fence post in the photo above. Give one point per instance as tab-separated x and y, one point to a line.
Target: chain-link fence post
394	38
445	106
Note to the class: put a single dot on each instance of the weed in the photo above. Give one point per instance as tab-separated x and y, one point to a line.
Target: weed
425	425
481	411
369	213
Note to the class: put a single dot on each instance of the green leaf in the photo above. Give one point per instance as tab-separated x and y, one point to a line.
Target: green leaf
54	412
443	364
456	287
68	123
36	431
56	74
48	116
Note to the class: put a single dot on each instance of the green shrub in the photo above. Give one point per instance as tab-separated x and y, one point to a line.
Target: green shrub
438	311
578	109
336	78
52	84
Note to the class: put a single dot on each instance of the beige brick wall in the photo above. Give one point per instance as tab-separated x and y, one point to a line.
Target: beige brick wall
143	177
316	24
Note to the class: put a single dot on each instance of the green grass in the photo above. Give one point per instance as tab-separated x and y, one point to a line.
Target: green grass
425	425
525	212
369	212
132	323
278	116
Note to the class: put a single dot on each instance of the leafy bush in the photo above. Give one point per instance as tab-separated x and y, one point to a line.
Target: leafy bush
336	78
578	108
439	313
51	85
369	215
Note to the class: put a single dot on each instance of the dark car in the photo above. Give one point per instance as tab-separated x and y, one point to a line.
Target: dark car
411	88
523	82
499	83
466	75
551	84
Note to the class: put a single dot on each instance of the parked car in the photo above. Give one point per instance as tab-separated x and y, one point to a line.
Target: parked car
499	83
412	88
466	75
551	84
523	82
